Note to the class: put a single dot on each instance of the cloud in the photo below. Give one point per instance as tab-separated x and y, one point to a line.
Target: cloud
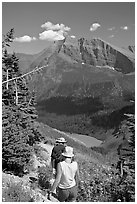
113	28
111	36
94	26
51	35
124	27
53	32
50	26
24	38
73	36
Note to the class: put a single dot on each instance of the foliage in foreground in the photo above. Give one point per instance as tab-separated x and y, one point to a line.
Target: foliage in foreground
44	176
102	185
15	189
16	192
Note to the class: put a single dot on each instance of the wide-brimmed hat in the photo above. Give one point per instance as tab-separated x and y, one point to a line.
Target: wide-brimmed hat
61	140
68	152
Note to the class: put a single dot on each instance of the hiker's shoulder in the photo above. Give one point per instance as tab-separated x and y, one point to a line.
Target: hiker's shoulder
75	163
58	148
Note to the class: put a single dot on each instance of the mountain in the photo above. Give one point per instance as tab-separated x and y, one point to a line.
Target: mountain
85	65
83	84
25	60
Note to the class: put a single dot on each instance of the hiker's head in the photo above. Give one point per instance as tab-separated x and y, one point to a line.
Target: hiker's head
61	140
68	153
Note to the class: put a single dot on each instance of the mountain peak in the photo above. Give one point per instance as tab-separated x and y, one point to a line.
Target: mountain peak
71	41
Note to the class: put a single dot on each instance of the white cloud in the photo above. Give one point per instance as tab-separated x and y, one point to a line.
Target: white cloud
50	26
113	28
53	32
124	27
73	36
51	35
111	36
24	38
94	26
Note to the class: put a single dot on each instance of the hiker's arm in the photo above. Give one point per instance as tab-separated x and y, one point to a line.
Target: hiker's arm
52	162
53	158
58	177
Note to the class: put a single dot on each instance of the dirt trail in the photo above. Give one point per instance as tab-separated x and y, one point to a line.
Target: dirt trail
48	147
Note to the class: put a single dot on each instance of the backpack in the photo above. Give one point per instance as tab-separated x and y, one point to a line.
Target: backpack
57	153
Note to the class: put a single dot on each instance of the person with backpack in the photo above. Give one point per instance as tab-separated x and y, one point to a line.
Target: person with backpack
56	155
67	177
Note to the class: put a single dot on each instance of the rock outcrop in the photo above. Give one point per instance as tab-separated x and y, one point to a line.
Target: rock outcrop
131	48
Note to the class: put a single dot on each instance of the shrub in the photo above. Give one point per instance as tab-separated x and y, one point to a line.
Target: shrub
44	176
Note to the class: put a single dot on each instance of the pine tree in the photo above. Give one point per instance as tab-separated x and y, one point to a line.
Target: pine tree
18	113
126	163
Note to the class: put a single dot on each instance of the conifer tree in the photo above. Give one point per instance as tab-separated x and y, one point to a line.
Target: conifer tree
126	163
18	113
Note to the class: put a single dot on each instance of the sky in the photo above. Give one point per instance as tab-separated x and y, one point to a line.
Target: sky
37	24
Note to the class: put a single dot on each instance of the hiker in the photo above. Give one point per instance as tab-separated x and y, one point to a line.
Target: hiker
67	177
56	155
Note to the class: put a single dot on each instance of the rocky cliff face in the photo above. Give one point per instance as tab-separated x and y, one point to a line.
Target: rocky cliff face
99	53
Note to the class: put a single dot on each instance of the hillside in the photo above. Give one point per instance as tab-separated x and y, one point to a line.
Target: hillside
31	188
97	173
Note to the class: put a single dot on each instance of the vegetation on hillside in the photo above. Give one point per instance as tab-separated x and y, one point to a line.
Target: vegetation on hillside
117	181
99	180
79	116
